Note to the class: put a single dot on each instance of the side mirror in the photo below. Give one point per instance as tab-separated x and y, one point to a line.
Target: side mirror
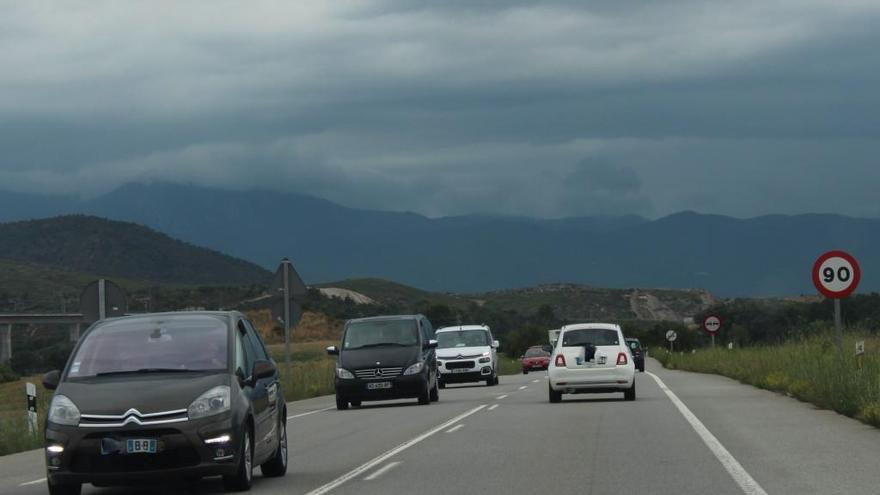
333	350
522	356
264	369
51	379
432	344
496	344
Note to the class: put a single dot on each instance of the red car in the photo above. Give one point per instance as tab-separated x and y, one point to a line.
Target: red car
536	358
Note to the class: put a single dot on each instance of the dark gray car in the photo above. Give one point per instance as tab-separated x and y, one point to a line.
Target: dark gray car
170	395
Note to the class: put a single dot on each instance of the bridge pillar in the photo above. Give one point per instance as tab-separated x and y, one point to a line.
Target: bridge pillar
75	331
5	343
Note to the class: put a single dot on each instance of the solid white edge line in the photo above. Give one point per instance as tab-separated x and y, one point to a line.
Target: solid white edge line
492	407
32	482
382	470
455	428
391	453
524	387
742	478
308	413
501	396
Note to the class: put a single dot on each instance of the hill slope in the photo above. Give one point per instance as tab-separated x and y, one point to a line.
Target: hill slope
762	256
124	250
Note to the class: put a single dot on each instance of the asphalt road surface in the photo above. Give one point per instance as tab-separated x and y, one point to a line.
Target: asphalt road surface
685	434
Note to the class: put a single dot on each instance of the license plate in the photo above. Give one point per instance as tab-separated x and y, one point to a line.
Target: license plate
460	370
378	385
536	365
140	446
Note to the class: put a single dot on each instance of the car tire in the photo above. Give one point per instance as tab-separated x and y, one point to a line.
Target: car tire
496	381
341	404
555	397
425	396
441	383
435	392
630	394
244	475
65	489
642	368
277	465
525	372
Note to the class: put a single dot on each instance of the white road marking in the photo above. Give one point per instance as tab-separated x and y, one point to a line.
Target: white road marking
745	481
379	472
492	407
524	387
32	482
455	428
501	396
391	453
535	380
310	412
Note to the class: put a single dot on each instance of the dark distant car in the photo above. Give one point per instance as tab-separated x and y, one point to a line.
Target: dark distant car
164	396
638	353
385	358
535	359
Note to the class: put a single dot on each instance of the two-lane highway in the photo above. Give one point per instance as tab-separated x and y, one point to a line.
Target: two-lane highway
705	434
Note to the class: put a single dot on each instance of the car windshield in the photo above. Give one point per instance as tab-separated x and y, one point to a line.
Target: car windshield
194	343
595	336
377	333
537	353
463	338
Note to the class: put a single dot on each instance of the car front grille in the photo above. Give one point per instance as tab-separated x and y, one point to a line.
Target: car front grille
377	373
453	365
132	416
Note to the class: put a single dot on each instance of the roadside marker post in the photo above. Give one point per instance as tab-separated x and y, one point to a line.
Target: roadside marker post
671	336
31	391
836	275
860	353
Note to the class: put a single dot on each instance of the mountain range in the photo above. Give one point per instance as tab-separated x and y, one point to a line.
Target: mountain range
762	256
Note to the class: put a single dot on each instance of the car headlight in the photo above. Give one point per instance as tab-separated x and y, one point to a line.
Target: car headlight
344	374
487	353
62	411
415	369
214	401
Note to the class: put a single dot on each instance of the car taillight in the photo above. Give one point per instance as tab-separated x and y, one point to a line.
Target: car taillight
621	359
560	360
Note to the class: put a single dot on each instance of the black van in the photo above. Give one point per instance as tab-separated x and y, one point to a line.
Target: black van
386	358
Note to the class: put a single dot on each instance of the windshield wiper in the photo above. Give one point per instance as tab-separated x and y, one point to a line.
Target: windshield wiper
379	344
143	371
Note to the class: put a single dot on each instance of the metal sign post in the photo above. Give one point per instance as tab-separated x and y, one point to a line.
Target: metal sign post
289	291
671	336
712	324
285	266
836	274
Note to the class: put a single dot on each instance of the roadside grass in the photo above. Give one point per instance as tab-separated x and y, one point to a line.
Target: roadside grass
508	365
810	370
312	369
14	436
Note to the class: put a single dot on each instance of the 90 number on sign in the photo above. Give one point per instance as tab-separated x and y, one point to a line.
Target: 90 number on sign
836	274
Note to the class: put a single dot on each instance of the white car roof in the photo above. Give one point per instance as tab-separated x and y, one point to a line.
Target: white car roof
463	327
584	326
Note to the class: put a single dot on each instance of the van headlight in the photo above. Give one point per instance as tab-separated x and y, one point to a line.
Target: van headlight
344	374
62	411
415	369
214	401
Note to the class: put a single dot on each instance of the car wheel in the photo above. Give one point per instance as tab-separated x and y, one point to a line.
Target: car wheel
435	392
277	465
555	396
525	372
65	489
642	368
341	404
496	381
355	403
630	394
425	395
244	475
441	383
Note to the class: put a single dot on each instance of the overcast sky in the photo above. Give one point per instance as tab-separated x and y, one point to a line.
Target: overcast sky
544	109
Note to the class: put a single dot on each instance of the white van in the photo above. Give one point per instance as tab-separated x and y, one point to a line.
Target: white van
467	353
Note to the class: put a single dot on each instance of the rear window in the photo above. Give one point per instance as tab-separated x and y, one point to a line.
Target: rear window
537	353
198	343
595	336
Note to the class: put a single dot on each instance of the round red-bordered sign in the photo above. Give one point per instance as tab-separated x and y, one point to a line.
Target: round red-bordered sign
836	274
712	324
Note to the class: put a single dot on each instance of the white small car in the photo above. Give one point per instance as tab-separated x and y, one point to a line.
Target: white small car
467	353
591	358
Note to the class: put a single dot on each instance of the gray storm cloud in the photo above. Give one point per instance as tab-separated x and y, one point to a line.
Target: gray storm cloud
543	109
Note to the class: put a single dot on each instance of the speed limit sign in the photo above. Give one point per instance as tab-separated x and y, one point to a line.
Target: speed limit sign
836	274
